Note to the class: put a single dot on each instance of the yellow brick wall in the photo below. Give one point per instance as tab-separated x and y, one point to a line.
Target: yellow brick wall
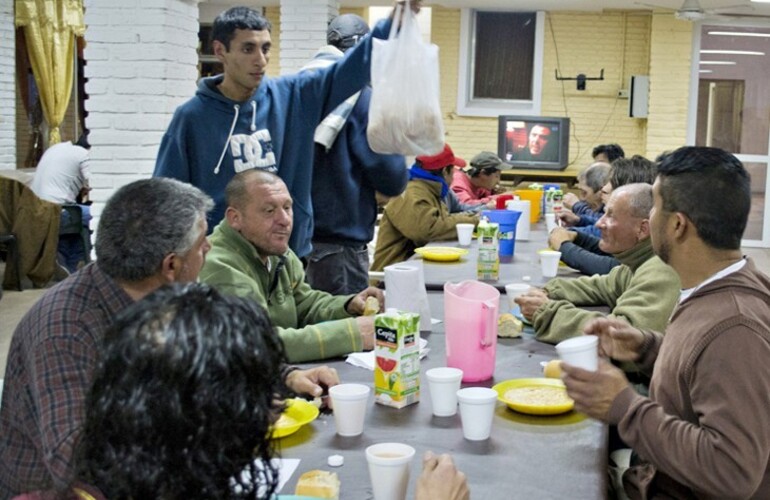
273	14
586	42
670	54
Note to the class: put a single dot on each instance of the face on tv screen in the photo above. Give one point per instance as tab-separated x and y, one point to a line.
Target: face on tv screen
532	141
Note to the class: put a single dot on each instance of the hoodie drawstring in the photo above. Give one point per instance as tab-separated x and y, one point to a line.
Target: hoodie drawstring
253	116
237	109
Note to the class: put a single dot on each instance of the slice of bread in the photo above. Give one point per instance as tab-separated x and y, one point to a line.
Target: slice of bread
509	326
371	306
319	484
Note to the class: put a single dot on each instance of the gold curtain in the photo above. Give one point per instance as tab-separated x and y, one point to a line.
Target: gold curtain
50	28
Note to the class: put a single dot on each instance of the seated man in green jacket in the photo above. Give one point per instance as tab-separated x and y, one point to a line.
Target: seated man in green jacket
642	290
250	257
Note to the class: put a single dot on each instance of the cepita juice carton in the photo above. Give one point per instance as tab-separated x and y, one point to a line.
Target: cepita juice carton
397	358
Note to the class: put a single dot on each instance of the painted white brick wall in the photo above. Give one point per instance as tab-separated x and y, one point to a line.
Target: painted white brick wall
142	64
303	30
7	88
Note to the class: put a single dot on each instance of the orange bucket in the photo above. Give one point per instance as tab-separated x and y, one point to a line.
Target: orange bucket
535	197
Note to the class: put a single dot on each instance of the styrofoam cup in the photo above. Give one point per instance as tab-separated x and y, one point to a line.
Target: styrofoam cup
513	290
349	402
464	233
549	263
550	222
389	469
582	351
477	409
443	384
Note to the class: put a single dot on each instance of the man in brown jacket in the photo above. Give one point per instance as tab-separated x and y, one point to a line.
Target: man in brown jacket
704	430
420	214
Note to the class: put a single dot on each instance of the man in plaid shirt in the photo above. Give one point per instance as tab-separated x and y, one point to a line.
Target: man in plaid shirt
152	232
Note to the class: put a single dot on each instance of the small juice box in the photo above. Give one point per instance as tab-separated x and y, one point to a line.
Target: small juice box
397	358
488	263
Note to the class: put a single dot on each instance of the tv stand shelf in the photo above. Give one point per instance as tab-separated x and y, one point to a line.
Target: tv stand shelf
568	176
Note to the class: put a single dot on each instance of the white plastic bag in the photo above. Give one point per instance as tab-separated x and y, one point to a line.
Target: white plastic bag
404	112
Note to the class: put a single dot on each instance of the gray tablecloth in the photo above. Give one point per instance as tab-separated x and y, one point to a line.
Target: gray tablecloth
526	457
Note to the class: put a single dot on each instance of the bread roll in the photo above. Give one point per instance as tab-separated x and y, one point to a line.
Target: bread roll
509	326
371	306
319	484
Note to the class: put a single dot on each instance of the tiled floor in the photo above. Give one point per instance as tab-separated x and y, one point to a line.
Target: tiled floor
15	304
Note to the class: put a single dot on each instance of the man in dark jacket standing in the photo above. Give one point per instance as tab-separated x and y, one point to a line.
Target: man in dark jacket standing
346	176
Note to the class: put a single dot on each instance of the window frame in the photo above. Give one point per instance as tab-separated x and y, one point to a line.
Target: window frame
469	106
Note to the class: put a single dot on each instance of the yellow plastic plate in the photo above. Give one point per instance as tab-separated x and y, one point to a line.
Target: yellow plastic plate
298	412
548	384
441	254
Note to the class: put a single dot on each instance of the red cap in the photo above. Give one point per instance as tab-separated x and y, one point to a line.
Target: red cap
441	160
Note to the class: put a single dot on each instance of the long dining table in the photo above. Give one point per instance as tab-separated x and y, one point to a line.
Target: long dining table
560	456
523	266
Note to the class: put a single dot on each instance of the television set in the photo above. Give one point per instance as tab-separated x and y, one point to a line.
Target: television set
534	142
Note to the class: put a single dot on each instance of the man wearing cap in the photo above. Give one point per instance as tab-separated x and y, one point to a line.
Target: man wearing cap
476	184
420	214
347	176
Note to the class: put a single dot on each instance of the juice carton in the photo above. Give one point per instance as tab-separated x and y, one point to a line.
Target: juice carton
488	263
397	358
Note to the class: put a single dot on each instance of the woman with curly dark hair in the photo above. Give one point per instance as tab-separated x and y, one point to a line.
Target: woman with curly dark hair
182	402
183	399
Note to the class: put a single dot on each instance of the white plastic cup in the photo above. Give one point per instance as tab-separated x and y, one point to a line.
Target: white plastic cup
549	263
582	352
550	222
513	290
477	409
443	384
349	402
464	233
389	469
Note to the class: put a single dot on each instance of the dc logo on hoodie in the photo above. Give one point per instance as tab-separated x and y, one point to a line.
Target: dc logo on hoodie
253	151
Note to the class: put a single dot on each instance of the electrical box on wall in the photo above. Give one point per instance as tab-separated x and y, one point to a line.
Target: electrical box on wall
638	96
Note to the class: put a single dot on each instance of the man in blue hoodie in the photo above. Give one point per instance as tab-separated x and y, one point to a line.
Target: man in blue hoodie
242	119
347	175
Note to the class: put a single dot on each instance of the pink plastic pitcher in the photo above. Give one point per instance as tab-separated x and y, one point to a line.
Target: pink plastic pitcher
470	321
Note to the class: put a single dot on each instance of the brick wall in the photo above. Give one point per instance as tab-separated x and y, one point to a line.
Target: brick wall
670	54
299	45
273	14
7	88
141	65
586	43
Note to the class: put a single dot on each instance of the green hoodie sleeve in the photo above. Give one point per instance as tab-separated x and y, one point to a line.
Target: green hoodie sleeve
324	328
644	298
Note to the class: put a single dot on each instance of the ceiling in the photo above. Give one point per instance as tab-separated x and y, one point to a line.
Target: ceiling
549	5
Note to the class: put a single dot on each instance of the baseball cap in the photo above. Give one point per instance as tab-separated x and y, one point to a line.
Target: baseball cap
445	158
346	30
486	161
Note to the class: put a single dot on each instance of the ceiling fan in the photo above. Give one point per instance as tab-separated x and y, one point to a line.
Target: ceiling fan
691	10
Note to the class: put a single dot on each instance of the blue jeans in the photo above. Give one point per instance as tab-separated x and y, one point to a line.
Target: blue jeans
338	269
70	250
